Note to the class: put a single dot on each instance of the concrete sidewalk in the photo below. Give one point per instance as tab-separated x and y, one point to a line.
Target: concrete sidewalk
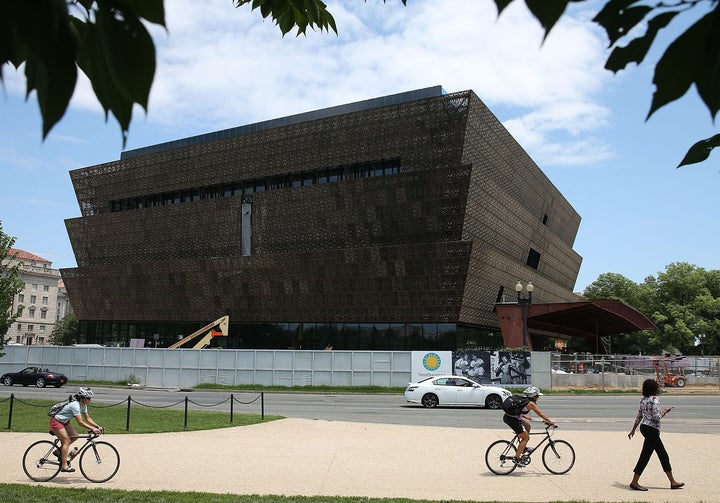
313	457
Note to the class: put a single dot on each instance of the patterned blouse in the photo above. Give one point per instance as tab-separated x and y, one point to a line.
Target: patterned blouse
649	412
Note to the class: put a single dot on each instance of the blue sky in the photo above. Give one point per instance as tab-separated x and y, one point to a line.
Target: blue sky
221	67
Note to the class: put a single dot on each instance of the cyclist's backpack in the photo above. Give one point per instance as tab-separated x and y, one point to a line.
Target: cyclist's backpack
59	406
513	405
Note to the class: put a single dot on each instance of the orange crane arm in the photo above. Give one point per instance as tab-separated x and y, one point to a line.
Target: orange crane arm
218	328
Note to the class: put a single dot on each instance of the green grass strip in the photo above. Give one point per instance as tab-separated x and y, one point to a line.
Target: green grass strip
31	416
51	493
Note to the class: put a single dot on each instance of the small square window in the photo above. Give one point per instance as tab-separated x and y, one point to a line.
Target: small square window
533	259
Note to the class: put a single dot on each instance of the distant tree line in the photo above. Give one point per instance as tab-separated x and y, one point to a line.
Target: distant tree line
683	302
65	331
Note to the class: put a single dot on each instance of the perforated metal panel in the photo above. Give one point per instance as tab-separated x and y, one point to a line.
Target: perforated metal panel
430	240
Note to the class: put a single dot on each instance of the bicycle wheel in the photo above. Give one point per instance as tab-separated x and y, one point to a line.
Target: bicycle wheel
558	457
99	462
498	457
39	463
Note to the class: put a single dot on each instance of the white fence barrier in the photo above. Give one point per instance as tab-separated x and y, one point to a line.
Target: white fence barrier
182	368
189	367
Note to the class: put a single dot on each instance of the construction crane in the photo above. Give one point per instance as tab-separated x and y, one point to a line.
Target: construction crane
218	328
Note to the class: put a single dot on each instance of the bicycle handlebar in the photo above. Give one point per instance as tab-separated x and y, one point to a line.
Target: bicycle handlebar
92	434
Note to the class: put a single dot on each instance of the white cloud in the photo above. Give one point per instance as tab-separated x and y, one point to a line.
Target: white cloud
220	67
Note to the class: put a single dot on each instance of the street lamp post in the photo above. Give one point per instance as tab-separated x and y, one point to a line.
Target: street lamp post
524	302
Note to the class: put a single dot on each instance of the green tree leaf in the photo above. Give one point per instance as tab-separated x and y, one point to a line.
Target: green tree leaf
289	14
548	12
618	18
637	49
501	4
700	150
689	59
92	62
41	38
128	53
151	10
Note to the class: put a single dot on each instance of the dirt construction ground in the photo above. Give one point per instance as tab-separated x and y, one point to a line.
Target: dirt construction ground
312	457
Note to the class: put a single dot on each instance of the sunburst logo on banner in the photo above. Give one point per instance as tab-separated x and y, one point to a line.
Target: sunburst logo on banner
431	361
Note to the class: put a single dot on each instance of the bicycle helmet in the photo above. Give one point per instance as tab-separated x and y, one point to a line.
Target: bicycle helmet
532	391
84	393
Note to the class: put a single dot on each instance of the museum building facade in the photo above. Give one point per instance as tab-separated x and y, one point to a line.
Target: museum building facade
395	223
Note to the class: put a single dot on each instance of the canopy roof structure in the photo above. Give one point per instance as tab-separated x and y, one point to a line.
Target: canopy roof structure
587	319
595	318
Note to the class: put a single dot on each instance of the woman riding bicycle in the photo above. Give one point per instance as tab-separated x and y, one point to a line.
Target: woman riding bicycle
520	423
62	428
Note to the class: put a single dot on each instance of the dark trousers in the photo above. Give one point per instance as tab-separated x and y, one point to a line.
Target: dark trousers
652	443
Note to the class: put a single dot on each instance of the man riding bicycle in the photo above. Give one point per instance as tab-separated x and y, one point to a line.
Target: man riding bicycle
520	423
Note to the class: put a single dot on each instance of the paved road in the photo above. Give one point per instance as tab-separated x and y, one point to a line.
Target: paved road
692	413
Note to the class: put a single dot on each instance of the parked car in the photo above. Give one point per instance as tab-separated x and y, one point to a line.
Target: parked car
454	390
35	376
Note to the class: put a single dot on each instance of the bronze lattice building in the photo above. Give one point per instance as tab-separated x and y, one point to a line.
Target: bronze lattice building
393	223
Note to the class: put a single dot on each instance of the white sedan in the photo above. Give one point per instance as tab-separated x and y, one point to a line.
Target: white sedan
454	390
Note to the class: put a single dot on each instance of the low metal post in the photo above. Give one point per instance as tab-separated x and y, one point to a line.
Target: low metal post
232	403
186	411
262	405
127	418
12	399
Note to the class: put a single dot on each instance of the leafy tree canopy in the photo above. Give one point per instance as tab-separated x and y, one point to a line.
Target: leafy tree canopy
108	42
65	331
683	302
10	285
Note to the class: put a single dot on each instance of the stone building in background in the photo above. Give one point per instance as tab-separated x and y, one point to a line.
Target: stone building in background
388	224
39	299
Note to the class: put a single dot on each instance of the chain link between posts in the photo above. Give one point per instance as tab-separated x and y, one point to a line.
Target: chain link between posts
130	400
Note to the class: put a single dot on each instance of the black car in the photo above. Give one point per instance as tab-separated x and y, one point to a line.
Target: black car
36	376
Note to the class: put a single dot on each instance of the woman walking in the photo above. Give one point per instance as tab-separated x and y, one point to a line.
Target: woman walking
648	417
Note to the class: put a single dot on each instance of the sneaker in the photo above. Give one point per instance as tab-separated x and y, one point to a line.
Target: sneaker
67	470
56	453
529	450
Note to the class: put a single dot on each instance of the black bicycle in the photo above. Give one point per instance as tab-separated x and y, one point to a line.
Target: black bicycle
558	456
99	461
